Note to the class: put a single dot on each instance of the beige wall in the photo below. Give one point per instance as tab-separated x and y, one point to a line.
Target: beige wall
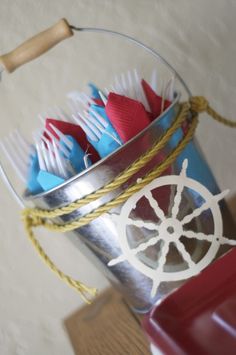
197	37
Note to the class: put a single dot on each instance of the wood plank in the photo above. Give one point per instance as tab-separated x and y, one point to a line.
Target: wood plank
107	327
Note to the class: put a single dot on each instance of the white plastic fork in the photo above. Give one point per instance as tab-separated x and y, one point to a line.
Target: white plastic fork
129	84
170	89
93	127
59	166
83	99
88	131
63	149
65	145
153	81
18	151
103	97
51	155
94	123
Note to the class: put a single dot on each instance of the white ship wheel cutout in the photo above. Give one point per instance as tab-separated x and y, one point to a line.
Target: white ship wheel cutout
169	229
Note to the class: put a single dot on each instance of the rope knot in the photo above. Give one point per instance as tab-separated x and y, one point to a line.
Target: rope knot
199	104
31	220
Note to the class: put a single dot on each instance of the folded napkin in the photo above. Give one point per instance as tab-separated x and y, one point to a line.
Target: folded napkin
128	116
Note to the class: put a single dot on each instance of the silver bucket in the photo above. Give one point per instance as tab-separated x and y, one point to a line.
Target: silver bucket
100	239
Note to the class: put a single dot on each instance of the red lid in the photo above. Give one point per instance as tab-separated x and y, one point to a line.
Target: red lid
200	317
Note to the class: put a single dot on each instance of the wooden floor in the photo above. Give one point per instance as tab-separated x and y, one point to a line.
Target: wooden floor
107	327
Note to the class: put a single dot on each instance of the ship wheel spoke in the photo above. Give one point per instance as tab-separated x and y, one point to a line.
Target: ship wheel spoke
204	207
141	224
179	191
155	206
164	251
186	256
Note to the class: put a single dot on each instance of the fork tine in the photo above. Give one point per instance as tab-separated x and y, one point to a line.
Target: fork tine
163	96
85	128
10	187
87	98
54	169
123	81
42	117
136	85
61	146
99	117
51	114
14	152
102	129
42	164
72	106
59	161
170	89
131	86
94	121
106	91
24	144
141	94
62	114
74	95
13	163
102	96
153	81
125	84
91	126
113	89
62	137
118	86
45	156
22	154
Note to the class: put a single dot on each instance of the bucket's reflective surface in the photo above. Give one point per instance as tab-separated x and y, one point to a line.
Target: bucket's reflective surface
100	240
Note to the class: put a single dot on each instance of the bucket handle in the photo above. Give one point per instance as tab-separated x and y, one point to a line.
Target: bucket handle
36	46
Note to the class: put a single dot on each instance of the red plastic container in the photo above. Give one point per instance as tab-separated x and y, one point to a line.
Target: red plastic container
200	317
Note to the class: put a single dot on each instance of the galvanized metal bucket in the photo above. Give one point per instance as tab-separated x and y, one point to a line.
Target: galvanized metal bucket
100	239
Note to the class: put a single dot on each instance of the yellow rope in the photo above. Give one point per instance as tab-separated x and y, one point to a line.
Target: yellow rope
34	217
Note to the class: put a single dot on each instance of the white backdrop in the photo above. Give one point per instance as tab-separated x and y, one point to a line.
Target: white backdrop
196	37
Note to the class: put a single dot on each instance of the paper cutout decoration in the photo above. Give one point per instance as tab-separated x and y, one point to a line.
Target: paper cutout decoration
170	229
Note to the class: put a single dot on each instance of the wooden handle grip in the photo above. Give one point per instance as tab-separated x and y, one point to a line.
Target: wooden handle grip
36	46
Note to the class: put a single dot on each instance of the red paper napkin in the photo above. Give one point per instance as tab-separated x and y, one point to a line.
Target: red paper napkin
76	132
154	100
127	116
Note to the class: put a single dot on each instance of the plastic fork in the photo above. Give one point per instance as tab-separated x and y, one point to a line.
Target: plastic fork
129	84
17	150
76	158
96	124
50	176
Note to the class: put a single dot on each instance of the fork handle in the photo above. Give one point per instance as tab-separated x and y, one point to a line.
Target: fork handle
36	46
